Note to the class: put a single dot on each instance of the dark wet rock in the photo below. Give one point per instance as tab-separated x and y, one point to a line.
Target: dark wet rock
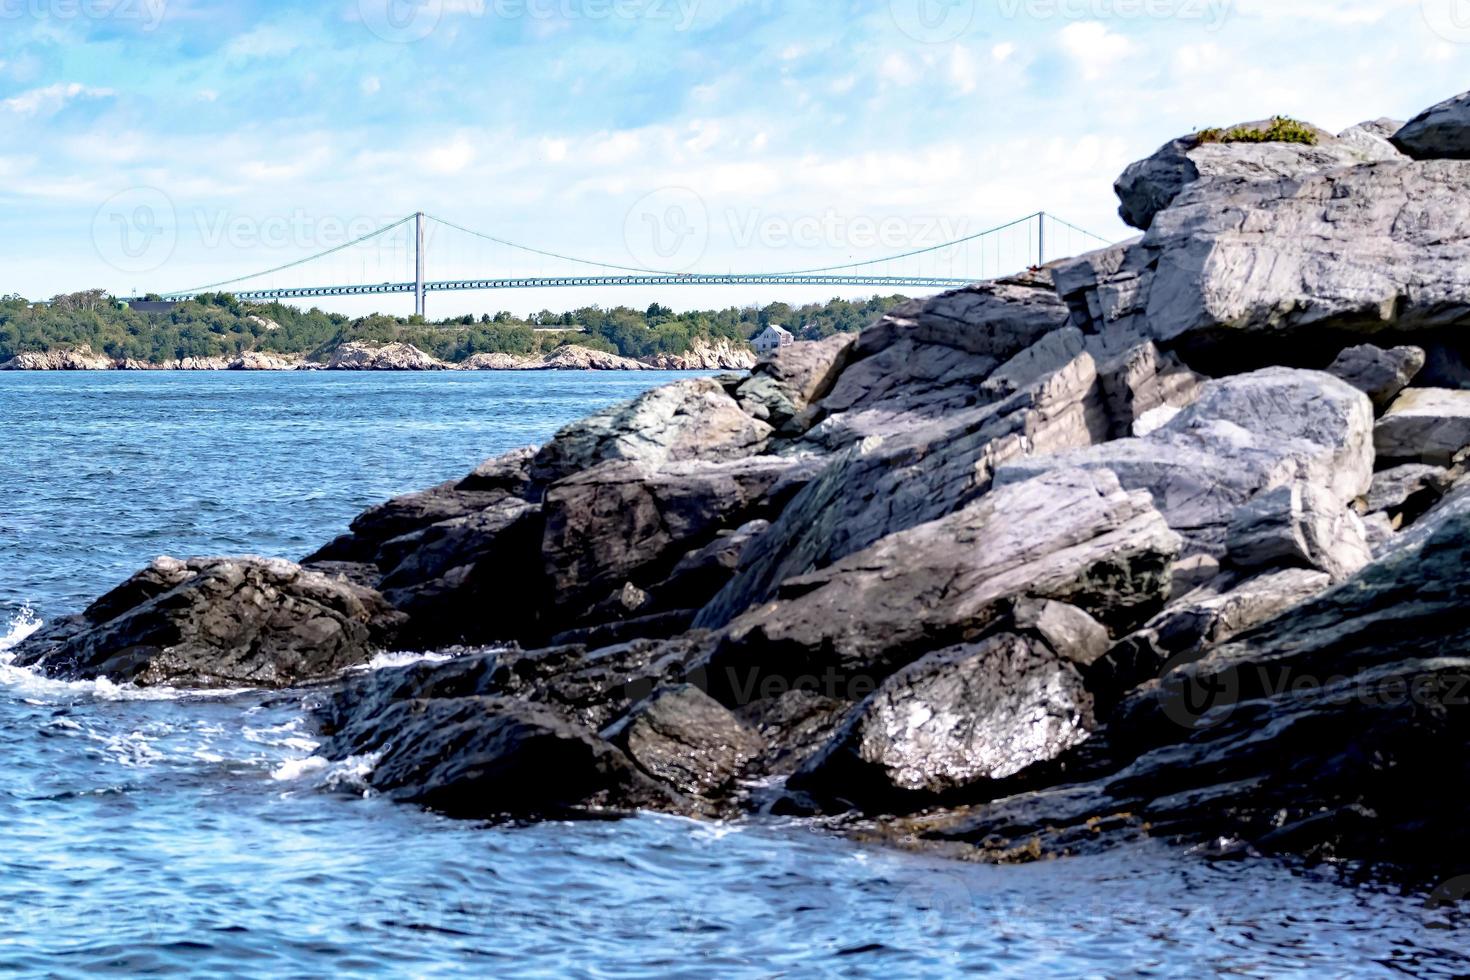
492	758
1153	184
685	739
956	718
688	421
213	623
1441	132
622	522
1425	425
1378	373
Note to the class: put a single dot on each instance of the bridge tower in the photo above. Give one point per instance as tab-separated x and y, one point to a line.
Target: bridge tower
418	255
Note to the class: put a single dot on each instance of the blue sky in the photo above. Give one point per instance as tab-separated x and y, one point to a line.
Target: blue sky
259	132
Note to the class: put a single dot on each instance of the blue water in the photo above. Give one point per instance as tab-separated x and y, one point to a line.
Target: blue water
159	832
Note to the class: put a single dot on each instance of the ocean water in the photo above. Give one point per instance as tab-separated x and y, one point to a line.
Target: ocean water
162	832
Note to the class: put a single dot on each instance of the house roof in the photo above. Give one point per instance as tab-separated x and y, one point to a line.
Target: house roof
779	330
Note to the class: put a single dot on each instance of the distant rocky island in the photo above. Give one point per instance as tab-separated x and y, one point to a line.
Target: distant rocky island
1164	541
92	331
703	355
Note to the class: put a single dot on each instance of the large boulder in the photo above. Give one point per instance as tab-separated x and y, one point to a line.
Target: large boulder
682	422
1441	132
1297	263
685	739
1378	373
968	715
218	623
1245	434
81	359
1427	425
1151	185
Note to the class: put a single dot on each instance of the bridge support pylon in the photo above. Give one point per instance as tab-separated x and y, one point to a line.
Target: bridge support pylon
418	257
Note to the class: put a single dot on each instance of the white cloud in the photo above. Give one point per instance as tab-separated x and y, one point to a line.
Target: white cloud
53	98
1003	51
897	70
1093	48
372	85
962	71
452	157
263	42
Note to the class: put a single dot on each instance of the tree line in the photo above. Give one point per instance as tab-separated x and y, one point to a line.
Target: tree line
219	324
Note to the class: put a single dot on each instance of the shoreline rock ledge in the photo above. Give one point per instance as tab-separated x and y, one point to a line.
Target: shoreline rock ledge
1168	540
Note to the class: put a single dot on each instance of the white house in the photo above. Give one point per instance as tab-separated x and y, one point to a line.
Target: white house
772	339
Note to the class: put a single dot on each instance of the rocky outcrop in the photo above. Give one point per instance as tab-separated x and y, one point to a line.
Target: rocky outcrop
244	622
1441	132
261	361
574	358
1110	549
81	359
355	356
501	362
1153	184
705	355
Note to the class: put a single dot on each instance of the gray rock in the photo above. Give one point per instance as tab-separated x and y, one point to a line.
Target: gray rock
1378	373
1429	425
1413	486
1441	132
685	739
1298	525
1071	536
694	420
1244	435
977	713
218	623
1293	262
1142	385
928	471
1380	532
626	521
1151	185
782	386
1067	630
357	356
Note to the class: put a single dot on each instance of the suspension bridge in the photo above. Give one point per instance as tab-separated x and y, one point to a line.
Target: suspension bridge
393	259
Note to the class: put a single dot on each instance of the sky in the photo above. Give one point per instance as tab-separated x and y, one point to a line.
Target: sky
156	145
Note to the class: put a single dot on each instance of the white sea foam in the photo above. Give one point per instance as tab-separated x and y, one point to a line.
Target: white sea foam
383	661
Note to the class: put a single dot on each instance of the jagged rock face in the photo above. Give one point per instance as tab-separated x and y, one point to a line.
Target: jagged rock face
702	355
1428	425
247	622
1439	133
81	359
682	422
959	717
497	361
785	384
1363	250
1245	434
1152	185
1334	731
357	356
1378	373
1071	536
625	522
879	488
